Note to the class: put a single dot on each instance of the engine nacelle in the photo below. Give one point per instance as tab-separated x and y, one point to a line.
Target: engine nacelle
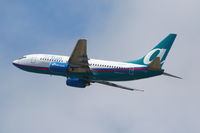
75	82
58	67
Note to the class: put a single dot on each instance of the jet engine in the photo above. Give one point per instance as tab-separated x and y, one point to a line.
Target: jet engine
75	82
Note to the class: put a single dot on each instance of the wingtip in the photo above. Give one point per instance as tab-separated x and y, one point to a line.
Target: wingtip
138	90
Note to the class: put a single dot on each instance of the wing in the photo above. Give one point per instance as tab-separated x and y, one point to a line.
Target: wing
78	61
118	86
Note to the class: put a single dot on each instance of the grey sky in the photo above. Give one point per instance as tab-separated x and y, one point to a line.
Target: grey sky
116	30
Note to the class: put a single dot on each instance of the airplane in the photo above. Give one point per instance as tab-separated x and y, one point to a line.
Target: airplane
82	71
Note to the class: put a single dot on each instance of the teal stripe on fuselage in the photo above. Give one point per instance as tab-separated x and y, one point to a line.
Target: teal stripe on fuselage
124	75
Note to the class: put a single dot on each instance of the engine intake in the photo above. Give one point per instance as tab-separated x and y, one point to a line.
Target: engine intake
75	82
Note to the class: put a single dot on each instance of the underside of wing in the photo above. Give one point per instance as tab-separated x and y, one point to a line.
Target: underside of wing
78	61
116	85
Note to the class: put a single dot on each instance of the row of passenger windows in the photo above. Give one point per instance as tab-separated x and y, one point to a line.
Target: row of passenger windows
46	59
106	66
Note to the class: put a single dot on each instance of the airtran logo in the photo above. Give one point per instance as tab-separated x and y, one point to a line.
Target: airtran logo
153	54
58	64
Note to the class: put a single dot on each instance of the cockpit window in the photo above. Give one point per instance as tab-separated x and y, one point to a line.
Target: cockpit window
22	57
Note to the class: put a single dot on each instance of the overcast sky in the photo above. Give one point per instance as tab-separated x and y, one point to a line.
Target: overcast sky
119	30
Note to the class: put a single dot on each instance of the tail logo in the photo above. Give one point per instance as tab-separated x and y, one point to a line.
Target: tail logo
153	54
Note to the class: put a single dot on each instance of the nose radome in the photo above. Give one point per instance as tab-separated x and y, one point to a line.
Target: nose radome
14	62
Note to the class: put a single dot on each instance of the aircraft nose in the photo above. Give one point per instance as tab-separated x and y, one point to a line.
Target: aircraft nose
15	62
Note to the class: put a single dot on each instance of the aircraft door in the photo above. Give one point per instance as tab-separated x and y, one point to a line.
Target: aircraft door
33	60
131	71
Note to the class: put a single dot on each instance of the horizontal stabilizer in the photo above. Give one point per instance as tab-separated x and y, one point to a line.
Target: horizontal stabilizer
155	65
170	75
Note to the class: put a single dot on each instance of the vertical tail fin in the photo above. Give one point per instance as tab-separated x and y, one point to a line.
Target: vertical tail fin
161	50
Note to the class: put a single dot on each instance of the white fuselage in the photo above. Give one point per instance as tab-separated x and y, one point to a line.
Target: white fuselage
101	69
44	60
